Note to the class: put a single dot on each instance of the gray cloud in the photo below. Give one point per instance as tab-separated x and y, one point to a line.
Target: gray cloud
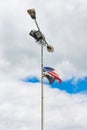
65	26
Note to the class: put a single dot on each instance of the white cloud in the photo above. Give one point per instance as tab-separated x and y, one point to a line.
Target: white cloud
20	107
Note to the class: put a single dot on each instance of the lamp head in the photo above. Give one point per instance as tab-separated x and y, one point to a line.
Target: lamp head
32	13
36	35
50	48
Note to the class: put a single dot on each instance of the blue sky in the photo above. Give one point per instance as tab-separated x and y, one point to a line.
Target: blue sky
70	86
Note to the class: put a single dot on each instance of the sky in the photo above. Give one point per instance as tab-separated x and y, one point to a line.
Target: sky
64	24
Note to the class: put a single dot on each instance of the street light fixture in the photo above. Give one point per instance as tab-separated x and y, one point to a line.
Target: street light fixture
39	37
50	48
32	13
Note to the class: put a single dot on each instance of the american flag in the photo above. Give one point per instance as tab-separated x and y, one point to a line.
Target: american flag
52	74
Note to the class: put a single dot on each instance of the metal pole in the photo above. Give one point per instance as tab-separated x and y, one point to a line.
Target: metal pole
37	24
42	87
42	91
32	13
40	31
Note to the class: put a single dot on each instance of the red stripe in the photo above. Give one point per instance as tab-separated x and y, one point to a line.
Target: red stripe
55	75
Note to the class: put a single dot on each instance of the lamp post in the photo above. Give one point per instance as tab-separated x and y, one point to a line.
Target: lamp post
39	37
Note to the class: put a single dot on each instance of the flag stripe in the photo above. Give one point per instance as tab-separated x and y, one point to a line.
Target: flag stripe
53	73
55	76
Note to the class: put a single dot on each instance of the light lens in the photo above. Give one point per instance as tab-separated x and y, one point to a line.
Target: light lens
50	48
